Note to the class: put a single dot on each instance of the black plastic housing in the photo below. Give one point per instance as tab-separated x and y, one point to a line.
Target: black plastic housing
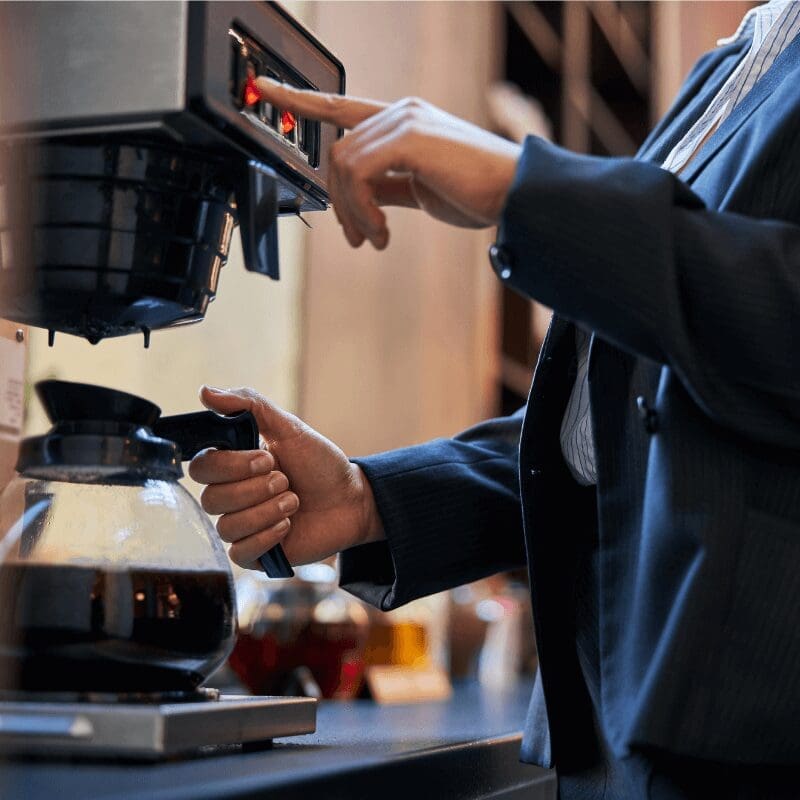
123	236
280	43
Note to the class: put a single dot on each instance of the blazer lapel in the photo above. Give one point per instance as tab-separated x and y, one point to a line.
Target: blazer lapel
558	329
784	63
693	99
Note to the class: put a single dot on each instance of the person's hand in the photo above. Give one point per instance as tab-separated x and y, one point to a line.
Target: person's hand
409	153
299	490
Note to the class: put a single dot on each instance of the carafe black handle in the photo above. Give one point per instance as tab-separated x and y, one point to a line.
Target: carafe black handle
201	429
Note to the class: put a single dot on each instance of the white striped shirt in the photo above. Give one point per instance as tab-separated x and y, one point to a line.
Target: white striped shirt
772	27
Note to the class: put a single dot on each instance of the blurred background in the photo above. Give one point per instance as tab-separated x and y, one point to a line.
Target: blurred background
380	350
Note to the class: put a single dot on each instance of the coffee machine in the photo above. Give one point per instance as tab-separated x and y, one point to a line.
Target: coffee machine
132	146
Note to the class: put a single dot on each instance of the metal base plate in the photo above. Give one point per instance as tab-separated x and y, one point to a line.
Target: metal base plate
128	730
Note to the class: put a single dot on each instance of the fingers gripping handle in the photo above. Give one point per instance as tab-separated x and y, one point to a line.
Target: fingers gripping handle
197	431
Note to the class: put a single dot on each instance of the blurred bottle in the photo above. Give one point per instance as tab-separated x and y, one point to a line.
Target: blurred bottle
491	635
415	635
290	628
468	628
506	651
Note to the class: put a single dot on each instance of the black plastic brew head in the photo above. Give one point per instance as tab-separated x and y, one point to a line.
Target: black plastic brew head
114	236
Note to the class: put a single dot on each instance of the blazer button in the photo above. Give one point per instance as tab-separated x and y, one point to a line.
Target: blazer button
648	415
500	259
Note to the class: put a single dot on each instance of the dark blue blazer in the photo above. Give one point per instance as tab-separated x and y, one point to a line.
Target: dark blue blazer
692	287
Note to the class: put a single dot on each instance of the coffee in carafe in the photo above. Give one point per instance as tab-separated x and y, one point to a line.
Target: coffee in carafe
86	629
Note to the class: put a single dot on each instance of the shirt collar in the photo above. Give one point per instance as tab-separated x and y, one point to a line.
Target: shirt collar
765	14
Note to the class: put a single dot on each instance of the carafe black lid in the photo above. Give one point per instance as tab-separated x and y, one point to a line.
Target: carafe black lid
99	435
65	401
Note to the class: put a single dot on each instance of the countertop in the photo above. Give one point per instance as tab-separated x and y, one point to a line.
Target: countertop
467	747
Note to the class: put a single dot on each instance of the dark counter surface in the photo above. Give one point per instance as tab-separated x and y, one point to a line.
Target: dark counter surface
467	747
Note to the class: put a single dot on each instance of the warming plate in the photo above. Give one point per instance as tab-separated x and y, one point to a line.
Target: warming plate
150	731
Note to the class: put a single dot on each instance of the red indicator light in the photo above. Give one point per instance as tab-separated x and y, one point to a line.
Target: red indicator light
288	122
251	93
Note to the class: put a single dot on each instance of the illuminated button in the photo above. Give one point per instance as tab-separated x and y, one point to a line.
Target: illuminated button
251	93
288	124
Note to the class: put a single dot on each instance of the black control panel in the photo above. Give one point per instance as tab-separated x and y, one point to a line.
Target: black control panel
229	45
250	60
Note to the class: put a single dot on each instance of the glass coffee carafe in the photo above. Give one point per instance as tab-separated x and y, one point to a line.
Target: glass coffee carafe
112	578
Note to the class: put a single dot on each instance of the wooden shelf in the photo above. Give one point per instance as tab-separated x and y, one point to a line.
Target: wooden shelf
589	64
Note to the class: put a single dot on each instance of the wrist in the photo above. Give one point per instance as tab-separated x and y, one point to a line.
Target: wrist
507	170
370	528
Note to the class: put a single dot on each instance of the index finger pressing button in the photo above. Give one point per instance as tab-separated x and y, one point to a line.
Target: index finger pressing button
346	112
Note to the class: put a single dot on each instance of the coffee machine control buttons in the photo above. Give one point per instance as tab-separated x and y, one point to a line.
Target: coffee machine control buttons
250	60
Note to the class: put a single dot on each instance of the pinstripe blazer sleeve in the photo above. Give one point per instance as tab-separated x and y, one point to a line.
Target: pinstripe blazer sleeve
451	512
628	250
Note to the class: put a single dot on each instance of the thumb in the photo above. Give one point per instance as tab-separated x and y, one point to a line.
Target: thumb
273	422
